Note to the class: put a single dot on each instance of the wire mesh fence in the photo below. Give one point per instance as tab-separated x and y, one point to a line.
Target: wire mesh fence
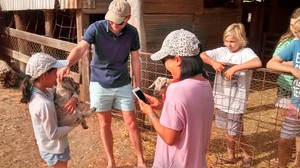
262	120
29	48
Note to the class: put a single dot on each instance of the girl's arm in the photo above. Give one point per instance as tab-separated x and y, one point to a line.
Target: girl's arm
218	66
276	64
251	64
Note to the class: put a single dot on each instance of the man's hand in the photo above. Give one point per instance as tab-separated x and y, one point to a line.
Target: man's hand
62	72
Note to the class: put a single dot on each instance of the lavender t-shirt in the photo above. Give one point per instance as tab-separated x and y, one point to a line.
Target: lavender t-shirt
188	108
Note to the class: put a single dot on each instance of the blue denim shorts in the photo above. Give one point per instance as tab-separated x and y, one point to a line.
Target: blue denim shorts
104	99
51	159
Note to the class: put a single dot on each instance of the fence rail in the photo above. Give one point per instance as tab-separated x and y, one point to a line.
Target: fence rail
262	120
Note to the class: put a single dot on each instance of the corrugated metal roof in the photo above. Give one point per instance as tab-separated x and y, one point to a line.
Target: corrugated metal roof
14	5
69	4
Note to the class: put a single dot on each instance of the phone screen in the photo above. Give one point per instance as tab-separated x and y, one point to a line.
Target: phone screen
141	96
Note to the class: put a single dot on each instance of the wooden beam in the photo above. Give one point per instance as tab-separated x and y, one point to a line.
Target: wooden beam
15	54
47	41
88	4
24	59
82	21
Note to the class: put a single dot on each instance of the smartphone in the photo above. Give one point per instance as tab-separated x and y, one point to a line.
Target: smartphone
140	95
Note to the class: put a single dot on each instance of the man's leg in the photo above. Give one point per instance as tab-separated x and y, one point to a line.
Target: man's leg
134	135
107	137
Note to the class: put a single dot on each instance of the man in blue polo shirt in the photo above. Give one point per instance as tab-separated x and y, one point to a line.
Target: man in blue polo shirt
110	86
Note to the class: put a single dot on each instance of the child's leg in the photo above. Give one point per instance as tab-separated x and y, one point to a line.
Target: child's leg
60	164
290	128
244	146
222	122
230	144
297	159
284	151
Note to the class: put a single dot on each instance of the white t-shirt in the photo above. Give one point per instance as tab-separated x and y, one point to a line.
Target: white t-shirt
49	137
231	96
188	108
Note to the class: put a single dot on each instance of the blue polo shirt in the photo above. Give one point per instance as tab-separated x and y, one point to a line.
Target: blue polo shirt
110	55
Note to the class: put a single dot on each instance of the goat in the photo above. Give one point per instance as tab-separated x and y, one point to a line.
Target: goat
160	85
65	90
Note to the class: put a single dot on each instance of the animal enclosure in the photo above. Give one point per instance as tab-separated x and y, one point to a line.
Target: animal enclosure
262	121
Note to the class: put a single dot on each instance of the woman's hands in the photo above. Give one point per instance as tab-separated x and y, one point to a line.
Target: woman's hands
154	104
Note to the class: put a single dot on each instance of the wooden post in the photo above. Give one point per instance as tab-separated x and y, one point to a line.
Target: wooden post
82	21
20	22
137	20
48	15
49	24
3	39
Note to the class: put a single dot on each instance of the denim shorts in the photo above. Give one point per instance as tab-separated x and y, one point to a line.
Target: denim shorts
233	123
51	159
104	99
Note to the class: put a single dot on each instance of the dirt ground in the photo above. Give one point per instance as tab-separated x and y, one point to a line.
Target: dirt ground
19	150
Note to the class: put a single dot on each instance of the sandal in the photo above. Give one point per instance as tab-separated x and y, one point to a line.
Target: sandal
274	161
227	161
246	163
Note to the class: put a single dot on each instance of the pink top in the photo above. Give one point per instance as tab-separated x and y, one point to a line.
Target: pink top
189	109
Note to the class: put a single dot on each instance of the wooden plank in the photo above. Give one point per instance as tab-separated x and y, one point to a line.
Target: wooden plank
15	54
88	4
24	58
158	26
100	7
173	6
47	41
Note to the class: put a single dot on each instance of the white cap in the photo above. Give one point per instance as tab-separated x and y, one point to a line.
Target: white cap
40	63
